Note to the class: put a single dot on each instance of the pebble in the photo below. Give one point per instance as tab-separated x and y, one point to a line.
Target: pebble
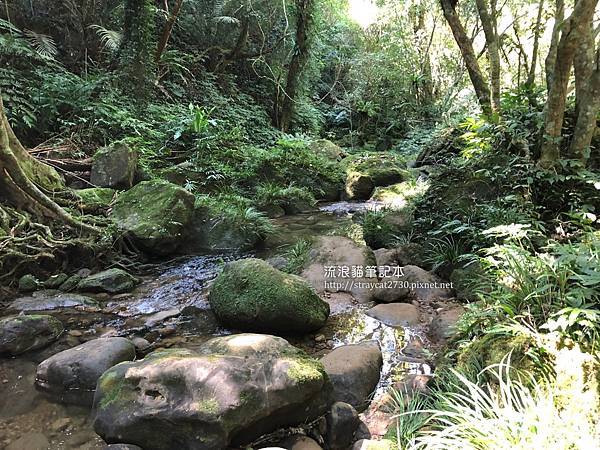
75	333
320	338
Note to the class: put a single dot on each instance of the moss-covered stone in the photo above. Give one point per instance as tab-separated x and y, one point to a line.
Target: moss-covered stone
113	281
250	294
365	172
29	283
155	214
327	149
232	390
94	199
19	334
55	281
114	167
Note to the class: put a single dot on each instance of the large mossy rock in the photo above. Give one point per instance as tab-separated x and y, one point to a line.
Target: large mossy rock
252	295
340	253
155	214
114	167
230	391
112	281
19	334
365	172
327	150
71	375
96	199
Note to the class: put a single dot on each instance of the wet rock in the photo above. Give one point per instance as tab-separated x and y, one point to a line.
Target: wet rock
114	167
252	295
396	314
414	348
354	371
342	422
71	375
155	215
55	281
29	283
412	384
71	283
394	293
113	281
232	390
49	300
30	441
340	253
19	334
443	324
425	286
161	316
141	344
370	444
297	442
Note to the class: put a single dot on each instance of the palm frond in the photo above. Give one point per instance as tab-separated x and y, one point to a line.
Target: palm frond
109	39
43	44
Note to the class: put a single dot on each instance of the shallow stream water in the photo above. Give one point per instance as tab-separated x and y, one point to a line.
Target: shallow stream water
170	308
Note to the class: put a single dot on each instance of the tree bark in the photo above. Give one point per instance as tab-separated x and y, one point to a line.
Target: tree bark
559	17
22	179
572	34
167	30
488	22
304	10
530	82
482	90
588	108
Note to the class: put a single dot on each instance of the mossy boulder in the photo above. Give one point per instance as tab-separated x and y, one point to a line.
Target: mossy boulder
155	215
252	295
229	392
55	281
491	349
95	199
327	150
182	173
113	281
29	283
114	167
367	171
19	334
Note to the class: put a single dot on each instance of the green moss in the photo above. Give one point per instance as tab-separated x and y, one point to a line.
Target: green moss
252	295
383	168
304	370
209	406
96	197
111	384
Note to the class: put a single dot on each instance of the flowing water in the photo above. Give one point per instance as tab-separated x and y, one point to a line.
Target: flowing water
170	308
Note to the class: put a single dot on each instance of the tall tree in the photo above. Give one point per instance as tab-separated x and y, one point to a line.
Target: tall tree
487	14
482	90
167	30
573	32
300	56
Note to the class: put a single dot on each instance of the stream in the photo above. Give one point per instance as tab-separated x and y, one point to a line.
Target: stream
170	309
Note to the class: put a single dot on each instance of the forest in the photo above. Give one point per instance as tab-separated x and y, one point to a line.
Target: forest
299	224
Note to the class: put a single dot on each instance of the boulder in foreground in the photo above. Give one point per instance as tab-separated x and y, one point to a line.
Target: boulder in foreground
231	391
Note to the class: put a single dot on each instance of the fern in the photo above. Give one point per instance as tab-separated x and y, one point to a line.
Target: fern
43	44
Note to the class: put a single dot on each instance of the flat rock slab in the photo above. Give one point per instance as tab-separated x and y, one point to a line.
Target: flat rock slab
48	301
71	375
396	314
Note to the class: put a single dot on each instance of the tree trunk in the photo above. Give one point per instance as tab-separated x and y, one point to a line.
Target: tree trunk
297	63
572	35
559	17
423	43
588	107
529	84
488	22
23	179
166	34
482	90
